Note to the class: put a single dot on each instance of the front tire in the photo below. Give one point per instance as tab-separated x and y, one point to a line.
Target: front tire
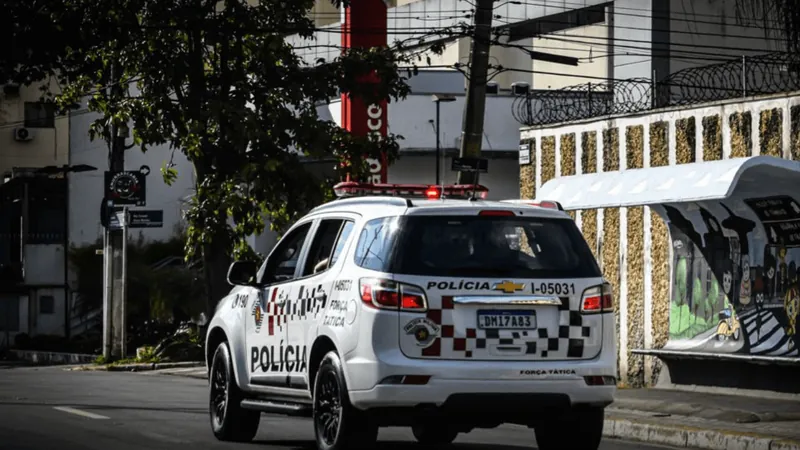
580	429
337	424
434	435
229	421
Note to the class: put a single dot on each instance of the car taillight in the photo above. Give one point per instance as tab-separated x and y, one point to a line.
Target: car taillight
597	299
496	213
388	294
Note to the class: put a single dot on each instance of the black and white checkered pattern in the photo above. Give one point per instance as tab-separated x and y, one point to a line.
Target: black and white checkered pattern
569	342
307	301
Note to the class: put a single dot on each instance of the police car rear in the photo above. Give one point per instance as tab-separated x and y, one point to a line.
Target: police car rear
503	317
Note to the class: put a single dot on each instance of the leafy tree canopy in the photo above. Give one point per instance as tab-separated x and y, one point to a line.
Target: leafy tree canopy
217	81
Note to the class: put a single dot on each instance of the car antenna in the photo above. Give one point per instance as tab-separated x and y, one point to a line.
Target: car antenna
475	186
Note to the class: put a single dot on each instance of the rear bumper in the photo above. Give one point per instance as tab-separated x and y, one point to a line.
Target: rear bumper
487	395
538	385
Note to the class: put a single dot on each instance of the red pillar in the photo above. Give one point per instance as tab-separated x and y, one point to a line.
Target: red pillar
365	26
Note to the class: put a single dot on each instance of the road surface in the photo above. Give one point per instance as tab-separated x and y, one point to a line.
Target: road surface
50	408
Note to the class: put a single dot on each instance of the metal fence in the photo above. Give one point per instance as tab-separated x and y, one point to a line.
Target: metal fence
746	76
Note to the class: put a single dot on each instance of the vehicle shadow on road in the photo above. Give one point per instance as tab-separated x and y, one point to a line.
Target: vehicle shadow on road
89	407
390	445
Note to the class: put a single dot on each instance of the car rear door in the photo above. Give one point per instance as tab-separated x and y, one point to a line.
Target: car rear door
500	288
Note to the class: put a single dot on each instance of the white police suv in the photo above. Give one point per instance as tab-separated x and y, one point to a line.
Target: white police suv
418	306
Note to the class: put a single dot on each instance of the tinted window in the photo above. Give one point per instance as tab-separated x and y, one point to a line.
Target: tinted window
376	243
282	263
325	249
347	229
493	246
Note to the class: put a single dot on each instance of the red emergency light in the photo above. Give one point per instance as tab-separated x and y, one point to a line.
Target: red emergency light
460	191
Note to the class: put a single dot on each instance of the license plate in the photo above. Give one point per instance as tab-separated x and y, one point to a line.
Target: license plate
506	319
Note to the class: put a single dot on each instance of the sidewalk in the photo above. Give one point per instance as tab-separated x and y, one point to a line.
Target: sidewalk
704	421
681	419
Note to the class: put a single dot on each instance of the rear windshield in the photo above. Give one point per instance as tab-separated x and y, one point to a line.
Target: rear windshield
476	246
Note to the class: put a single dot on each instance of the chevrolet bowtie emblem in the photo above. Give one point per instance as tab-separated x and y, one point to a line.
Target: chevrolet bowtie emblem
508	287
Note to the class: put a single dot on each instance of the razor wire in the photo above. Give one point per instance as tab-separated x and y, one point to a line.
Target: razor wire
749	76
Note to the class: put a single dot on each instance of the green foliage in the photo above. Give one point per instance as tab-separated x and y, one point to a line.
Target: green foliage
218	81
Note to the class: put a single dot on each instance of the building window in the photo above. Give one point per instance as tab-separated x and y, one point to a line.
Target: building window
47	304
40	115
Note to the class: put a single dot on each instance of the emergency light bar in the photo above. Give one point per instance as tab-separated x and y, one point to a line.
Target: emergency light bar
540	203
461	191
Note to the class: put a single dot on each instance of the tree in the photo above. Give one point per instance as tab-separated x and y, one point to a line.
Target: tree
217	81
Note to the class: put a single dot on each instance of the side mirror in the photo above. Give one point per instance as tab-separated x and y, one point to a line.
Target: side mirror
243	273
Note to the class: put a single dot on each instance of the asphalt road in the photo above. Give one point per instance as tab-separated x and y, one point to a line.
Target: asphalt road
50	408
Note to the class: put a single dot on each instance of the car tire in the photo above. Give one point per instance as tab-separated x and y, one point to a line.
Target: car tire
434	434
585	430
338	425
229	421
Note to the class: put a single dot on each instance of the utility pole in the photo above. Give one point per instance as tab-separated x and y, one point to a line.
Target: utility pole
114	301
474	110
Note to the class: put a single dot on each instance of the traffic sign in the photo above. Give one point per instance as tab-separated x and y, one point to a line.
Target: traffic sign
126	188
145	218
480	165
136	218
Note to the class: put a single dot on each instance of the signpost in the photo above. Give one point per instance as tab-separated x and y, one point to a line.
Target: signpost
467	164
122	190
126	188
137	218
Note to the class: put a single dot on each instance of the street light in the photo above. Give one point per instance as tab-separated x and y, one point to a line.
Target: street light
65	170
439	98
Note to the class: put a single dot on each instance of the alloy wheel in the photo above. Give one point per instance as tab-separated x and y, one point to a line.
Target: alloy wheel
328	408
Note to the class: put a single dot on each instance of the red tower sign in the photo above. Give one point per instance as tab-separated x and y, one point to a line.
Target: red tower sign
365	26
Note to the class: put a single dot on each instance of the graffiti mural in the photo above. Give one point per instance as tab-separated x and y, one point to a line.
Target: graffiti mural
736	266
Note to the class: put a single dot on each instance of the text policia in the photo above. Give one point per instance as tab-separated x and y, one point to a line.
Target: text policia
291	358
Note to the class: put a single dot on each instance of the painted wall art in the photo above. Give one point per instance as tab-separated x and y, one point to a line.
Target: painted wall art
736	266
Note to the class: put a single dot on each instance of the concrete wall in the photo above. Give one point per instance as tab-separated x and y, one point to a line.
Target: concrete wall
44	264
635	250
49	146
50	323
589	43
701	30
44	274
13	304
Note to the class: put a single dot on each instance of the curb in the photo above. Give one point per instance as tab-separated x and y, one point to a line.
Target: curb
142	367
52	358
692	437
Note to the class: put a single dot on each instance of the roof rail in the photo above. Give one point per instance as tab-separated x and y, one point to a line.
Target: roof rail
374	200
549	204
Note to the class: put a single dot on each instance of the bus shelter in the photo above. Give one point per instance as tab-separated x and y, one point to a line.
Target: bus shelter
734	227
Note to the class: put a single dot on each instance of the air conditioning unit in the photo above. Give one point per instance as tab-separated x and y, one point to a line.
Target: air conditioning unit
22	134
520	88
